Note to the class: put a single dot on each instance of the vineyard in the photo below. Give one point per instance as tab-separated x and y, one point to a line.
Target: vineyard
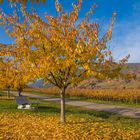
126	95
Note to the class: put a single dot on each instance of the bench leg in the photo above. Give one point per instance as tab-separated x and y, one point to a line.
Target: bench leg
28	107
20	106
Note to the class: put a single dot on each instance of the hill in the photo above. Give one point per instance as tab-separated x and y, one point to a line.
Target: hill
115	83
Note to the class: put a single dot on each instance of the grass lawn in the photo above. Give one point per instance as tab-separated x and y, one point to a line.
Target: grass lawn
81	123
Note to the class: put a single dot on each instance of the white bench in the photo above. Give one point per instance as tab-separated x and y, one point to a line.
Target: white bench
23	103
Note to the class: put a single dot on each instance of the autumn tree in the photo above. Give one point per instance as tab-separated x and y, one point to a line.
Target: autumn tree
13	73
63	50
5	79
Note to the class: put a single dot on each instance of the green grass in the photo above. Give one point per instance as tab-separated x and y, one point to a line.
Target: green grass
78	98
4	93
51	108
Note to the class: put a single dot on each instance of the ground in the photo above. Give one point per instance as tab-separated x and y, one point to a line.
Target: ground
43	123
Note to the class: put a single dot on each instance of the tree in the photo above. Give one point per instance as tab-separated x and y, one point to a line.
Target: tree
13	73
64	51
5	77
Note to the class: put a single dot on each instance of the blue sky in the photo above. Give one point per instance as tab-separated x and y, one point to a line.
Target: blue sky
126	33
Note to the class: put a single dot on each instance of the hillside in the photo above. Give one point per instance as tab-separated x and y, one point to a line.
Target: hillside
117	83
134	67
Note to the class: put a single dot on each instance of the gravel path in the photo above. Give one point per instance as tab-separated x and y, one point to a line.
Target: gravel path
125	111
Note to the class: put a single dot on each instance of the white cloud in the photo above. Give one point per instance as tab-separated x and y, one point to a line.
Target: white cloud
127	43
126	37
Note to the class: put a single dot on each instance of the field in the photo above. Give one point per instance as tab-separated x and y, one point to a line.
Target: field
43	123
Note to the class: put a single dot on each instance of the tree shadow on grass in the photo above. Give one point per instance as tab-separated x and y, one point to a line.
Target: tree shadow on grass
74	111
70	110
48	109
92	113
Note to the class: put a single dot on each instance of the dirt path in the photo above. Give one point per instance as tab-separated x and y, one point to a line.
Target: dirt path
125	111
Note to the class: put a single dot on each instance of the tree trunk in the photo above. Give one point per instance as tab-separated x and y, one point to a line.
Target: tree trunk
62	116
8	92
19	90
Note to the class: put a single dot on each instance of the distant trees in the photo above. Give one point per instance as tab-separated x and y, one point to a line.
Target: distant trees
60	50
